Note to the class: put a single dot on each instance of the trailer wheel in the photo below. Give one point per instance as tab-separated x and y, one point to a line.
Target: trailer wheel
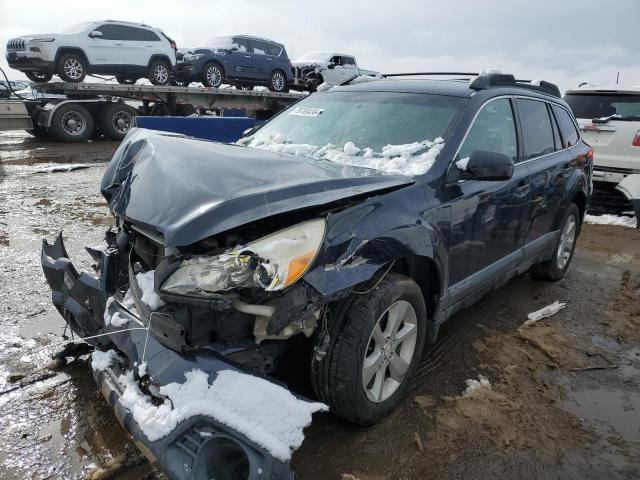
116	119
72	123
39	77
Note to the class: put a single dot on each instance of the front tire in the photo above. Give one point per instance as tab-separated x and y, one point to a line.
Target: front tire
375	349
159	72
72	68
555	268
278	81
72	123
116	119
38	77
212	75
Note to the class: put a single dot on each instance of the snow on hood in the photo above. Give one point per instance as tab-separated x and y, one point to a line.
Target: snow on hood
409	159
264	412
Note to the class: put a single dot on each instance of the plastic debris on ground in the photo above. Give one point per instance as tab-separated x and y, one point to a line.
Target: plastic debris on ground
545	312
614	220
62	167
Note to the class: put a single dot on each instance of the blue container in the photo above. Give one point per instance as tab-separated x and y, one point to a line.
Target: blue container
220	129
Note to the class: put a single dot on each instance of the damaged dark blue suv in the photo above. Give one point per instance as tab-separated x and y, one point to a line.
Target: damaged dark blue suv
338	236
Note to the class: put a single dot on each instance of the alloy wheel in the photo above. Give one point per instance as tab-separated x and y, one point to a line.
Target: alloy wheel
277	81
214	76
567	239
73	68
160	73
390	350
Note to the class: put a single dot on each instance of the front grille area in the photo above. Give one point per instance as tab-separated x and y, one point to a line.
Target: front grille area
16	45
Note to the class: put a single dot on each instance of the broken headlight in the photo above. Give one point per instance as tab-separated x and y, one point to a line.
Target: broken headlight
272	262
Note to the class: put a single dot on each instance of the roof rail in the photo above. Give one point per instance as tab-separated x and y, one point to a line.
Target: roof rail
426	74
483	82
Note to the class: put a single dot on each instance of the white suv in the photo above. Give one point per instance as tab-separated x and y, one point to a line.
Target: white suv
609	118
127	50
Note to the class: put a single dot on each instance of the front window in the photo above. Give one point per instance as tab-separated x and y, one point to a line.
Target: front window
387	131
597	105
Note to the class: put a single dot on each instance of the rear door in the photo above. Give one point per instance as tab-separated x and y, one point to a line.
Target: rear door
550	164
261	58
487	217
135	44
109	48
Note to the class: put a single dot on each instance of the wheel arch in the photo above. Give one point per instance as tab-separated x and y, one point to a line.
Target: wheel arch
580	199
425	272
160	56
77	50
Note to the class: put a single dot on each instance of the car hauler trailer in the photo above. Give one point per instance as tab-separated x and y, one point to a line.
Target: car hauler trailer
73	112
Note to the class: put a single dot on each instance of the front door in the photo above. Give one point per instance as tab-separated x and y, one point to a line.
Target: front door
487	217
108	49
245	65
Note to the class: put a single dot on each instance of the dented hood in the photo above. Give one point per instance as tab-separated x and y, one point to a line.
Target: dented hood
189	189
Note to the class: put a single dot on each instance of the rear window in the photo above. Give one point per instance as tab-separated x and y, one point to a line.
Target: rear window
570	135
537	130
597	105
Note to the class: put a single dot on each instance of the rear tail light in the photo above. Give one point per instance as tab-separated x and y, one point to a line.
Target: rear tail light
636	140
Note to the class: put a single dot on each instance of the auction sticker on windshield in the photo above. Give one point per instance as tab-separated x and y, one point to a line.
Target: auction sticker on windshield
306	111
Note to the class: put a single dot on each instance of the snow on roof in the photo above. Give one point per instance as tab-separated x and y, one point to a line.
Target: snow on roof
589	87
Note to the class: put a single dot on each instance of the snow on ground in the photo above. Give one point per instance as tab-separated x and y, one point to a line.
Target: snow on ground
65	167
409	159
474	385
149	295
609	219
264	412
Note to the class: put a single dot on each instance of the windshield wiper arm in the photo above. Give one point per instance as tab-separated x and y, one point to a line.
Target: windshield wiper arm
615	116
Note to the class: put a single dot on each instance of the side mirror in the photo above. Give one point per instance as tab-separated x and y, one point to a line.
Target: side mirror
482	165
234	49
96	34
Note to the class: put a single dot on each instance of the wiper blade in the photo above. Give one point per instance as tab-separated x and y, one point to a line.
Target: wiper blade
615	116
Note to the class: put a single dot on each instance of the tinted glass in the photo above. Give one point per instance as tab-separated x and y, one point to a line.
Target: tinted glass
348	61
536	128
273	49
595	105
494	130
133	34
368	119
111	32
259	47
149	36
556	132
570	135
241	44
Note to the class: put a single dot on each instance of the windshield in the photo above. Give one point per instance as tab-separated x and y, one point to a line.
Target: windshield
78	27
388	131
314	56
597	105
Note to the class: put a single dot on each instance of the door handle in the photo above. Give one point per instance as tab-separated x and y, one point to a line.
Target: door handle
522	187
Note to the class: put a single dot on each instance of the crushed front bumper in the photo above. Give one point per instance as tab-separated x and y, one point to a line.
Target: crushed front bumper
199	447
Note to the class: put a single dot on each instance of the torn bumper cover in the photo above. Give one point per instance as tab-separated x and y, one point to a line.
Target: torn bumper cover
230	442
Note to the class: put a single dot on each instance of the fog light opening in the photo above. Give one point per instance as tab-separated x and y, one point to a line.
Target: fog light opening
223	459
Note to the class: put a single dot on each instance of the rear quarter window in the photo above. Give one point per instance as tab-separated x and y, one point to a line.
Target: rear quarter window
570	135
537	130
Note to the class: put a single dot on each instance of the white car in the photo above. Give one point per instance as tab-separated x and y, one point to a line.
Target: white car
609	117
315	68
127	50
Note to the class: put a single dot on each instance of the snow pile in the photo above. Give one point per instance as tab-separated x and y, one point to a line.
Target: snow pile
116	319
408	159
264	412
462	164
149	295
475	385
609	219
323	87
365	79
545	312
101	360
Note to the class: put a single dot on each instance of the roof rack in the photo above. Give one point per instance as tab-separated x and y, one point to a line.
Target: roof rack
488	80
483	82
425	74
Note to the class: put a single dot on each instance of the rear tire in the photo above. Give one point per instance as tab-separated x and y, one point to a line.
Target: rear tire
116	119
38	77
72	68
72	123
212	75
159	72
278	81
367	370
555	268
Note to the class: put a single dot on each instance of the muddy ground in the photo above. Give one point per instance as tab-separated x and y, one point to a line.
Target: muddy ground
564	393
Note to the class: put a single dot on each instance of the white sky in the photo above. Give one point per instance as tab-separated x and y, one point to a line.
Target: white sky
564	41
